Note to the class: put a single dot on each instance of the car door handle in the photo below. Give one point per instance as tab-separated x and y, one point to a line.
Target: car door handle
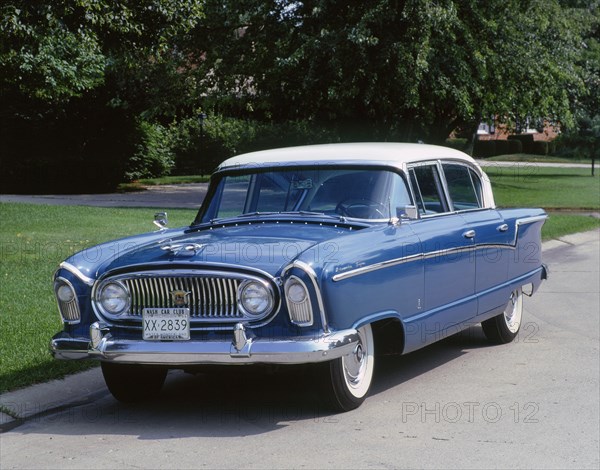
469	234
503	228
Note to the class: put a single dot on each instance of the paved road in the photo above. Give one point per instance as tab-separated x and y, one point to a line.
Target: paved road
184	196
458	404
535	164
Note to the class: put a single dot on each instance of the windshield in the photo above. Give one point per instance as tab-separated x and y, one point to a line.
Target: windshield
341	192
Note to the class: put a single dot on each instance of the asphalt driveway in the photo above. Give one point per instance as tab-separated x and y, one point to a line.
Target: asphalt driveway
182	196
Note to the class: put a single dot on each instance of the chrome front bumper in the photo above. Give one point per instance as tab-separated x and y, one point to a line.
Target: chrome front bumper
244	348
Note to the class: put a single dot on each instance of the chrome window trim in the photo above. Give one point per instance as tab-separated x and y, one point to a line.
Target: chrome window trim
73	270
444	196
447	189
433	254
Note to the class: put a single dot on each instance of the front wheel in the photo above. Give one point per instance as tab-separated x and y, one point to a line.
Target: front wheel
347	380
504	328
130	383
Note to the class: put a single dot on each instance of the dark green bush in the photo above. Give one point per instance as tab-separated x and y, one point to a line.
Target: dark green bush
581	142
154	156
201	150
502	147
458	144
540	147
526	141
81	150
514	146
484	148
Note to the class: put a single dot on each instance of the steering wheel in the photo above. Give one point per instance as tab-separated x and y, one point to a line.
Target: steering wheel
361	209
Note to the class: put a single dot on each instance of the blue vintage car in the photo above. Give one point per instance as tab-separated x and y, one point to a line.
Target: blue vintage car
310	255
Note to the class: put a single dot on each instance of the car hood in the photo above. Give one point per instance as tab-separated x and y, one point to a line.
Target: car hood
268	247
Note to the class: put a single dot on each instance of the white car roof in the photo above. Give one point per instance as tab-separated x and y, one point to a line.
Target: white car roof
385	153
396	155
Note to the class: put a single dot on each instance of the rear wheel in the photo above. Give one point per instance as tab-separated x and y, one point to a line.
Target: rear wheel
130	383
504	328
347	380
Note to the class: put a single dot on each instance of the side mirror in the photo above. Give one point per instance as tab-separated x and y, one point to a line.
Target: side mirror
411	212
161	220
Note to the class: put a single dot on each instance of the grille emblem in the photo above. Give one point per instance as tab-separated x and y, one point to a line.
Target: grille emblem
180	298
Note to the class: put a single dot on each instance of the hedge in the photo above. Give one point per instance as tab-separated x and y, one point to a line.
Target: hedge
526	141
484	148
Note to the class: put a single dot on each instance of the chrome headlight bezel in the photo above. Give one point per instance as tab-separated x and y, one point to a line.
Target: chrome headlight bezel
268	298
68	307
100	301
297	297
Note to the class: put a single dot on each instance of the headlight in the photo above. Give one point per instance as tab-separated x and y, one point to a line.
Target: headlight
298	302
114	298
67	301
255	297
64	293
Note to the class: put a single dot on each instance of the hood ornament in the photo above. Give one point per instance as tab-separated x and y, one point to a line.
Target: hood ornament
182	248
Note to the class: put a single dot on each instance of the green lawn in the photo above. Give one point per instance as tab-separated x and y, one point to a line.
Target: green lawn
34	239
550	188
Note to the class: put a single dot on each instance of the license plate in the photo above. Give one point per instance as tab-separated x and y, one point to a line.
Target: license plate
170	324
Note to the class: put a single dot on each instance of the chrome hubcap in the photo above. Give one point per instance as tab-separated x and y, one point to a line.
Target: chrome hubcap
354	363
512	312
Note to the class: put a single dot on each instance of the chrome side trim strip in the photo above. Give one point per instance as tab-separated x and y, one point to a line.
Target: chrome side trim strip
73	270
434	254
531	220
375	267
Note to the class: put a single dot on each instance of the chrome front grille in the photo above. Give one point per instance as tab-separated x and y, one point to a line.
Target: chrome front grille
210	298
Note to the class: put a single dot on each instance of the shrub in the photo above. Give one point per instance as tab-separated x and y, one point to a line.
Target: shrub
201	150
83	149
526	141
484	148
514	146
154	156
458	144
540	147
502	147
583	142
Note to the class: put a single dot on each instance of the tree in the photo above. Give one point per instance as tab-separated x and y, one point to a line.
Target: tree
79	75
393	69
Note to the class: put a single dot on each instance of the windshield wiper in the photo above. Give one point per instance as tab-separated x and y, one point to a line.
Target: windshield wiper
252	214
339	218
309	213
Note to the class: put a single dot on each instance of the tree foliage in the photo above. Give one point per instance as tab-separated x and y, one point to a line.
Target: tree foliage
128	77
392	68
78	75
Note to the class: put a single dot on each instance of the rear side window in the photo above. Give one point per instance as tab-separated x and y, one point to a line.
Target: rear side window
464	187
428	191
